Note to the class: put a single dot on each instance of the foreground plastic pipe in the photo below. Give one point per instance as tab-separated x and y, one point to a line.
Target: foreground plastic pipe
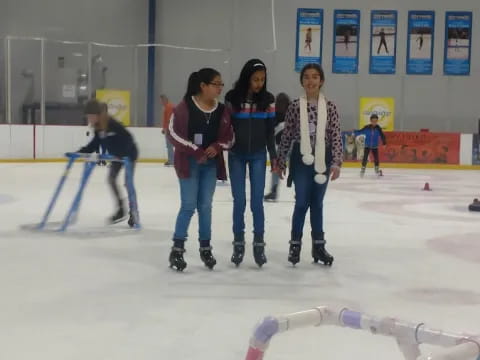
408	335
468	350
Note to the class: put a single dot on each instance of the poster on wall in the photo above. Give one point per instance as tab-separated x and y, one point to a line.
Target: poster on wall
420	42
383	42
383	107
118	102
346	35
458	43
309	37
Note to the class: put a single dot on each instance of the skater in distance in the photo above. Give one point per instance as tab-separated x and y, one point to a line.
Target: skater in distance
373	134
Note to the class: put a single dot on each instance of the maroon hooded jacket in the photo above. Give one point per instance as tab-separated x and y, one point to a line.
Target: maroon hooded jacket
184	148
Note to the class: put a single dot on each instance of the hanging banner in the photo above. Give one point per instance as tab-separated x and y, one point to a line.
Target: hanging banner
421	147
383	42
309	37
384	108
118	102
458	43
346	34
408	147
420	42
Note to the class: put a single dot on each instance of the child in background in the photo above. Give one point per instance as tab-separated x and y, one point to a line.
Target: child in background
373	133
112	136
281	105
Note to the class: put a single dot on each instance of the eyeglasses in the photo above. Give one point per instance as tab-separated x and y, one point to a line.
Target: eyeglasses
217	84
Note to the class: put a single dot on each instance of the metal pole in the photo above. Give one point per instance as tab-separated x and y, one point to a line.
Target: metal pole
135	88
89	67
43	84
8	82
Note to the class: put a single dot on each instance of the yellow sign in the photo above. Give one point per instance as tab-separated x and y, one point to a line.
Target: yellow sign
118	102
383	107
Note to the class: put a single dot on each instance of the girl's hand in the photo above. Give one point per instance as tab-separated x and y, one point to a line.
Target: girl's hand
281	174
335	173
211	152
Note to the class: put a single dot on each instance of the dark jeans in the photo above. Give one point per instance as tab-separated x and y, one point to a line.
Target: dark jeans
308	195
115	168
237	164
366	152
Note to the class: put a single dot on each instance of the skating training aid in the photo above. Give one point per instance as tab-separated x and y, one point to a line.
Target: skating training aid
426	187
474	206
91	161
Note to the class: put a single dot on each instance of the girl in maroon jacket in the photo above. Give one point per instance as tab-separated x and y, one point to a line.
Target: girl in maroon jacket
200	131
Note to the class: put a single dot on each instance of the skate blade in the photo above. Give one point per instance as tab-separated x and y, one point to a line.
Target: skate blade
113	222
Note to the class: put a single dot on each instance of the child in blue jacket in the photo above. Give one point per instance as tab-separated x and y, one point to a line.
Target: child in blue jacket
373	133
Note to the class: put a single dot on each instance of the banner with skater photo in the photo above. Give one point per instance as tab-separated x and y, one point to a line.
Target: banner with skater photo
458	43
309	37
420	42
384	108
346	35
421	147
383	42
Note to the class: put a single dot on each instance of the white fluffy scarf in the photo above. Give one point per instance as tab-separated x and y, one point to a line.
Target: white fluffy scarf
305	144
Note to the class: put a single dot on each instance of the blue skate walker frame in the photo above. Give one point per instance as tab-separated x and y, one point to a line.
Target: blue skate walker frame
90	161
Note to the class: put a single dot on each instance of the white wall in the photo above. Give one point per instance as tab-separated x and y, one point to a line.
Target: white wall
52	142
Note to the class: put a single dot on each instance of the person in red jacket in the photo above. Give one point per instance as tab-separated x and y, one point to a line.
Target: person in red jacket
200	130
168	107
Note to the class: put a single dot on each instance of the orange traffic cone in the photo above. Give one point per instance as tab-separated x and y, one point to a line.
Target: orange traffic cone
427	187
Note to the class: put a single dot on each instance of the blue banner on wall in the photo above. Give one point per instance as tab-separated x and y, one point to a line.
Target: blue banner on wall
309	37
383	42
458	43
346	35
420	42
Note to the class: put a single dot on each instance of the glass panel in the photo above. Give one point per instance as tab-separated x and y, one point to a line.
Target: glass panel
66	88
25	64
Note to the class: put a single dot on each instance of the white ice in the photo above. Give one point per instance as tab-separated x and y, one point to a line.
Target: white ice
100	292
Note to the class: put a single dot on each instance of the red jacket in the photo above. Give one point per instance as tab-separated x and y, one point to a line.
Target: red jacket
184	148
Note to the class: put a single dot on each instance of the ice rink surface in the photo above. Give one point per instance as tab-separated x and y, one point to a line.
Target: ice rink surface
106	292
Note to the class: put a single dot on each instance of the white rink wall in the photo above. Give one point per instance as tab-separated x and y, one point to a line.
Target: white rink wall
28	142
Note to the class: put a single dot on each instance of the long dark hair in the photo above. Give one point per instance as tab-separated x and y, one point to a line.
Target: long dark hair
238	95
205	75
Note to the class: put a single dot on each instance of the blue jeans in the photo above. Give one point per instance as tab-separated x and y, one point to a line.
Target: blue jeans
275	180
169	151
237	164
197	194
308	195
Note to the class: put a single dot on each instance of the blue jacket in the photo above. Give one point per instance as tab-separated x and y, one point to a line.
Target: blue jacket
373	134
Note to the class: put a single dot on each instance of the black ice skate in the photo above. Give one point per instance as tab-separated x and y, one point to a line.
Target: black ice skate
238	249
319	253
259	253
133	220
273	195
207	257
176	259
294	252
118	216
